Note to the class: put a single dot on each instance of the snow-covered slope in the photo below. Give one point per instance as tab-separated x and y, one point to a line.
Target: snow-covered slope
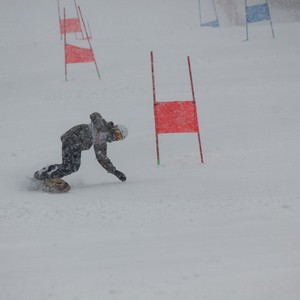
226	229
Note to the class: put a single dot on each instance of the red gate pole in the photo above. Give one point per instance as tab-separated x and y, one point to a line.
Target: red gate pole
78	19
89	41
59	18
194	100
154	103
65	44
90	32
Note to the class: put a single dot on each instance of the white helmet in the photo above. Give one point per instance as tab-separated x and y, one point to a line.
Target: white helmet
121	129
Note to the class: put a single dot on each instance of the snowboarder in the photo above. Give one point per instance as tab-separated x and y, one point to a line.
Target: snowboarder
82	137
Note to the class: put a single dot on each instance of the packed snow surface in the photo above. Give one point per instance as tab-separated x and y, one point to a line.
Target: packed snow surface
227	229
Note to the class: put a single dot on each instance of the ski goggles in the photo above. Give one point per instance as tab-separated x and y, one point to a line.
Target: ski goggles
118	135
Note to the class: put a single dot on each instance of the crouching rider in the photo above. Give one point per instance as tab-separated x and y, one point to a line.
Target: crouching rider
80	138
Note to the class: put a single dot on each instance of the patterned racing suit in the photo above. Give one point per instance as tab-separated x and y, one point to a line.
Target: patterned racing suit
80	138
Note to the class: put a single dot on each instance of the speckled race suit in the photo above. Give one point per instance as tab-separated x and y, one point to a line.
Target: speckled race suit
77	139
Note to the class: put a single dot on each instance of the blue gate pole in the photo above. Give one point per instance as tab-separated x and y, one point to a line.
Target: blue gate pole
200	18
247	35
213	1
271	23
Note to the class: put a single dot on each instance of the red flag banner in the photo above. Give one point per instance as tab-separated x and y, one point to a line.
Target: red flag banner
72	25
175	117
76	54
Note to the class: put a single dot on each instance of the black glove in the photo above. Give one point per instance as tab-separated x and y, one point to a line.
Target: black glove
120	175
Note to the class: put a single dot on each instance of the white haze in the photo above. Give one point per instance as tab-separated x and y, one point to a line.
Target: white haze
227	229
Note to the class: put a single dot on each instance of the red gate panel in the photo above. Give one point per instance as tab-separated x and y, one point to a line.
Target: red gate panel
175	117
76	54
72	25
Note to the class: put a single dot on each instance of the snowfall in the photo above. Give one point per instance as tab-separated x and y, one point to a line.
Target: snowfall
227	229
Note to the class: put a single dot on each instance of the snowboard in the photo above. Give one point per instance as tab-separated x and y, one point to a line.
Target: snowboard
54	186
